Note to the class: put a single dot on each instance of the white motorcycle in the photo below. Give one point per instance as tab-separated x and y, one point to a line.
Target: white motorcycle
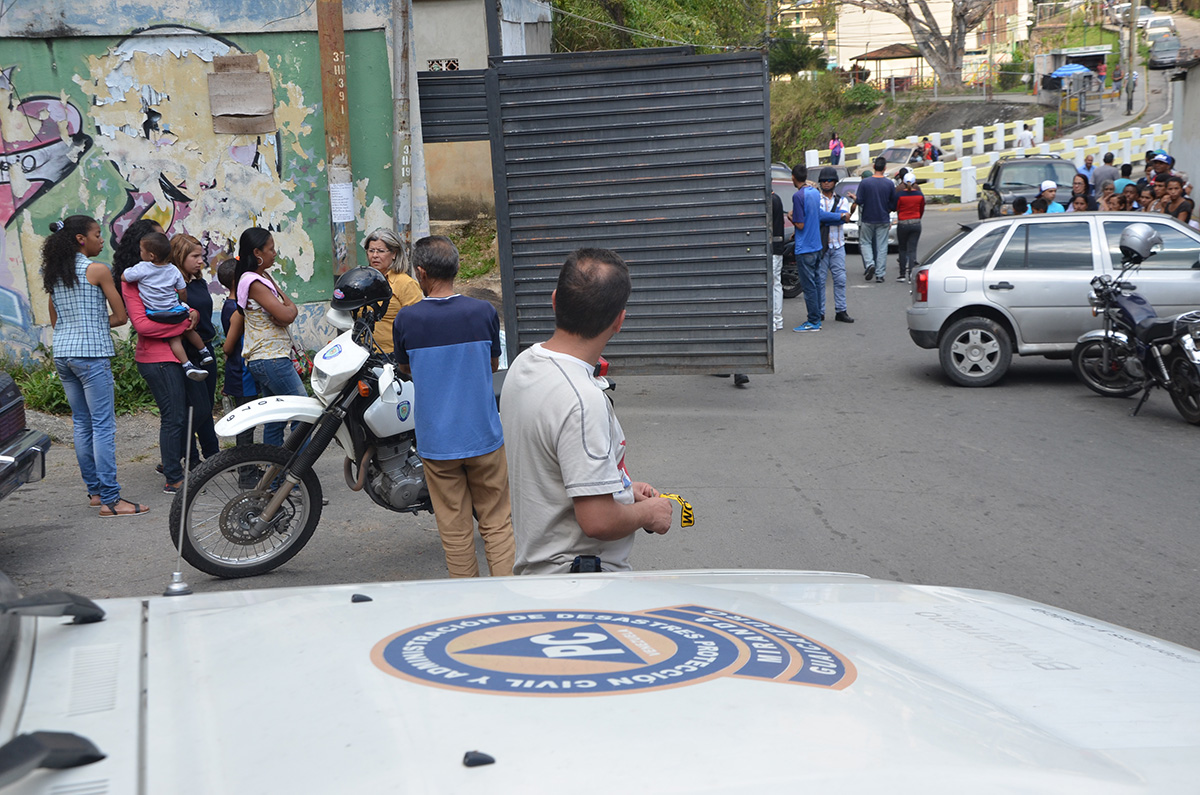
250	509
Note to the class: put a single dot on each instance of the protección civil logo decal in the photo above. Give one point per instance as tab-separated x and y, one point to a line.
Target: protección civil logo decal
587	653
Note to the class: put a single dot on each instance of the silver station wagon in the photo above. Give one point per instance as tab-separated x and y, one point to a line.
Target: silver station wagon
1020	285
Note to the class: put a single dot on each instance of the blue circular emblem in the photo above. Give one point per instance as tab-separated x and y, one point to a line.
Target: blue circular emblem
334	351
402	410
585	653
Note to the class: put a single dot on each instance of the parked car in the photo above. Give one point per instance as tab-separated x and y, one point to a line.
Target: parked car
908	156
1155	25
848	187
1022	175
1164	52
22	450
1144	12
1145	15
681	682
1020	284
1118	12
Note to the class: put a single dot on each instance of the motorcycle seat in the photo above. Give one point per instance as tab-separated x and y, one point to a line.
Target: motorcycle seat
1155	329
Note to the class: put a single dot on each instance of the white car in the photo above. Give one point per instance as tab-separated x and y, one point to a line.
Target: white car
720	681
1159	26
848	187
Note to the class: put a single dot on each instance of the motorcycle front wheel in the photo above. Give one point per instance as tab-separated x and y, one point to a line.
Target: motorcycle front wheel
1185	388
224	497
1105	375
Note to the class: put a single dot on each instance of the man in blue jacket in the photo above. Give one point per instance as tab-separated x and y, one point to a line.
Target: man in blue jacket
807	216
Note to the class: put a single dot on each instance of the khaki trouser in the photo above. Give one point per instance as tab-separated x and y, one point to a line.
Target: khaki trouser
456	487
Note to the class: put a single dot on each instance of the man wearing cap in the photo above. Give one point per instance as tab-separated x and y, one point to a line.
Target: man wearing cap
833	251
1048	192
807	216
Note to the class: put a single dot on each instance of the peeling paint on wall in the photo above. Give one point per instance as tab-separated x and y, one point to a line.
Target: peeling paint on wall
121	129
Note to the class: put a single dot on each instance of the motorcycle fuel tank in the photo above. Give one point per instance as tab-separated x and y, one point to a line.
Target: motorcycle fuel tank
392	411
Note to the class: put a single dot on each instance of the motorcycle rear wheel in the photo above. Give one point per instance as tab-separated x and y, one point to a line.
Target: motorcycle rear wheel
1112	380
1185	388
222	499
789	277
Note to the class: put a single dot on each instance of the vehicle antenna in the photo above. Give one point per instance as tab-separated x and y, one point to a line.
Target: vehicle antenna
177	586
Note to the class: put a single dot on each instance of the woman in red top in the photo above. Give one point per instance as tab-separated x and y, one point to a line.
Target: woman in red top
910	207
164	375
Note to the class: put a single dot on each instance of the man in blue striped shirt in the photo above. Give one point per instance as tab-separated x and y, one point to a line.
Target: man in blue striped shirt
450	344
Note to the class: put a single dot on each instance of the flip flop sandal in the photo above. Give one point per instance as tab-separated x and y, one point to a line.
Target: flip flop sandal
96	503
112	506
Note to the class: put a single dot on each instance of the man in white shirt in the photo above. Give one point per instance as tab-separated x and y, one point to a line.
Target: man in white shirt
574	505
1025	138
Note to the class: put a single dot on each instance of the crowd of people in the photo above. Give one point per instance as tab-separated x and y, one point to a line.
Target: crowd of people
569	490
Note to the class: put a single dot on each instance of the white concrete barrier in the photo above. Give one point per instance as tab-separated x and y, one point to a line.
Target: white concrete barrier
957	137
811	158
977	140
1039	128
939	167
969	194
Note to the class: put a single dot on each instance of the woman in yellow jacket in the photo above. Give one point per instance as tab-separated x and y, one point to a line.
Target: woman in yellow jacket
386	254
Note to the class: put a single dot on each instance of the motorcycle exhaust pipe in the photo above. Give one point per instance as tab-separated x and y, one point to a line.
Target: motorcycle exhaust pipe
357	485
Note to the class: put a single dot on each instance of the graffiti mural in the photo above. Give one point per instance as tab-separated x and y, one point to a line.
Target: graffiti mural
122	129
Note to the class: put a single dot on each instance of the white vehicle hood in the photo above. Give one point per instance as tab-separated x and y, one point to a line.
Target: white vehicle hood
663	682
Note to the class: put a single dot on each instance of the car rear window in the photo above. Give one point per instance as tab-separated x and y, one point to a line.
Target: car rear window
1180	250
980	254
1059	246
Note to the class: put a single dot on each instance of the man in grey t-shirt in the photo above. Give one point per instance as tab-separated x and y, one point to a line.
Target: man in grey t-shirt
571	494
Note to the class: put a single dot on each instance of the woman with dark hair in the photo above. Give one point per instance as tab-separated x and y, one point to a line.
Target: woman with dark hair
128	249
1081	187
188	256
268	312
83	349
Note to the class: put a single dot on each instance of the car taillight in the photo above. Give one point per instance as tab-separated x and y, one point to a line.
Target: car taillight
923	284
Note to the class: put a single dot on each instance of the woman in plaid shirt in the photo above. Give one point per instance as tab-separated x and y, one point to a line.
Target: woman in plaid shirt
84	305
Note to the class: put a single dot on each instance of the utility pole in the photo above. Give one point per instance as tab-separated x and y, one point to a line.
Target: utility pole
1131	56
401	122
332	41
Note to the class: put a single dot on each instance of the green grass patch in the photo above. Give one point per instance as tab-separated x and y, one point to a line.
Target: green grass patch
476	243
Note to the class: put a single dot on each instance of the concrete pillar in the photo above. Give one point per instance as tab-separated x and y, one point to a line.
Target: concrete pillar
1044	148
888	142
1039	128
1126	155
957	138
968	193
936	139
977	140
812	158
938	167
864	156
1001	136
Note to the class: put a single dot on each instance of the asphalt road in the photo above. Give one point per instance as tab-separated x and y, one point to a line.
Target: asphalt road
855	455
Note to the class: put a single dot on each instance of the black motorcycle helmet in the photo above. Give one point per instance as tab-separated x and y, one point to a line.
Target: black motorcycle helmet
361	287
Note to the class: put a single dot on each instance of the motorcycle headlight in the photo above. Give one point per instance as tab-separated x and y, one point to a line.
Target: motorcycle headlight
320	380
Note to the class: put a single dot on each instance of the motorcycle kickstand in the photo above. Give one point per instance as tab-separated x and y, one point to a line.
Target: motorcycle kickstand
1142	402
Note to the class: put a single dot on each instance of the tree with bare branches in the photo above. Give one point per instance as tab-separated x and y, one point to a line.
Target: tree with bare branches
942	49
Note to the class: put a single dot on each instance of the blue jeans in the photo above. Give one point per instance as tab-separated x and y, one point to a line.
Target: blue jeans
167	385
833	261
200	396
873	245
814	287
88	382
275	377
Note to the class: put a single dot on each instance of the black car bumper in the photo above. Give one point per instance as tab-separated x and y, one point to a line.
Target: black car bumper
23	460
924	339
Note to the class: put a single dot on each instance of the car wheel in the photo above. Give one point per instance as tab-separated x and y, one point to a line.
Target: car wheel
975	351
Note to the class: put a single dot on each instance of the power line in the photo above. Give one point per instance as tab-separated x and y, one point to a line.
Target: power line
632	31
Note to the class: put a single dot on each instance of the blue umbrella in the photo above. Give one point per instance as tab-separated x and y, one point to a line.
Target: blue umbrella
1069	69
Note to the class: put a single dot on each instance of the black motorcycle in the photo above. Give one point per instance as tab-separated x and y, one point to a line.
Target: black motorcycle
1137	350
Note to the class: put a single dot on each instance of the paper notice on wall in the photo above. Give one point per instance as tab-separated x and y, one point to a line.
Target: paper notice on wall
341	202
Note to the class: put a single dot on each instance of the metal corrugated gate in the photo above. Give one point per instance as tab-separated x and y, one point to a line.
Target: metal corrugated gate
453	106
660	155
